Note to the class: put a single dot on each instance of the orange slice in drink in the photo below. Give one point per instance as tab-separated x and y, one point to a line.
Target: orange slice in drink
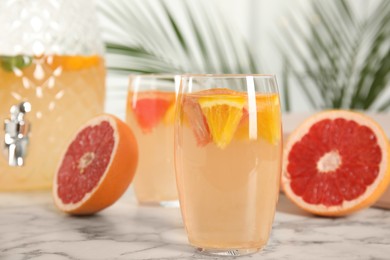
268	117
223	113
72	63
242	132
169	117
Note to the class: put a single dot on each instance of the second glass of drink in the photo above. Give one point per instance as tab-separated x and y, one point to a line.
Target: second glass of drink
150	113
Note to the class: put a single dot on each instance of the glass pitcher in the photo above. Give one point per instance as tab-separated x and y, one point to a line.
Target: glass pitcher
52	79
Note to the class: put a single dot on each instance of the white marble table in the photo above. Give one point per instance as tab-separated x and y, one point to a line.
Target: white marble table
32	228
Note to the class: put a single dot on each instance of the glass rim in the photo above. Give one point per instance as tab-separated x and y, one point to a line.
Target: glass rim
226	76
154	75
201	75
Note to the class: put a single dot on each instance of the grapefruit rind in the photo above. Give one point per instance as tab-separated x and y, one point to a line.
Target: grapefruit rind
373	191
117	176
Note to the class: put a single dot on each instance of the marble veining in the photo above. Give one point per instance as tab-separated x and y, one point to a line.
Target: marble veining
32	228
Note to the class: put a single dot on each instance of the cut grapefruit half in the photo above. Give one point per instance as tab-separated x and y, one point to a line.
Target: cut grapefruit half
97	167
336	163
150	107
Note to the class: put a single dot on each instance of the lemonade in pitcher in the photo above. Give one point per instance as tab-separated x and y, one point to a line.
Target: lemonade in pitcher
63	91
52	79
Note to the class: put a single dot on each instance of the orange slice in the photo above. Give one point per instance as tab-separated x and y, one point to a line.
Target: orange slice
97	167
169	117
72	63
223	114
336	163
268	119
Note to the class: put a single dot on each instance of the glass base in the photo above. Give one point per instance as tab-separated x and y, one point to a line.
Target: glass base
164	204
170	204
227	252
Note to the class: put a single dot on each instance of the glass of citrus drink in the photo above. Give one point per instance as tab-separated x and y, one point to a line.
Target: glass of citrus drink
150	113
228	148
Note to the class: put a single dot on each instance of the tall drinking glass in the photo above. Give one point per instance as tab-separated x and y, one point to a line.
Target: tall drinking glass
150	113
228	148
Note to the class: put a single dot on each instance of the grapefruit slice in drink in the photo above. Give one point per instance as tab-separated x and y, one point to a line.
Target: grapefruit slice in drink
150	107
97	167
336	163
192	115
221	114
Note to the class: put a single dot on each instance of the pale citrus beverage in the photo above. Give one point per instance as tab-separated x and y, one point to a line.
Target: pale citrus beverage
150	113
228	163
64	91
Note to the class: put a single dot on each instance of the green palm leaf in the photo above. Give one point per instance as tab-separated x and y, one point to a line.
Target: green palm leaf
339	59
202	42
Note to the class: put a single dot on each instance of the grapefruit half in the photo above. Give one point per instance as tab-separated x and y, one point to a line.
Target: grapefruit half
97	167
336	163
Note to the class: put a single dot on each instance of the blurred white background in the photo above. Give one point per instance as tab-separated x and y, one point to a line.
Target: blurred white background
262	24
